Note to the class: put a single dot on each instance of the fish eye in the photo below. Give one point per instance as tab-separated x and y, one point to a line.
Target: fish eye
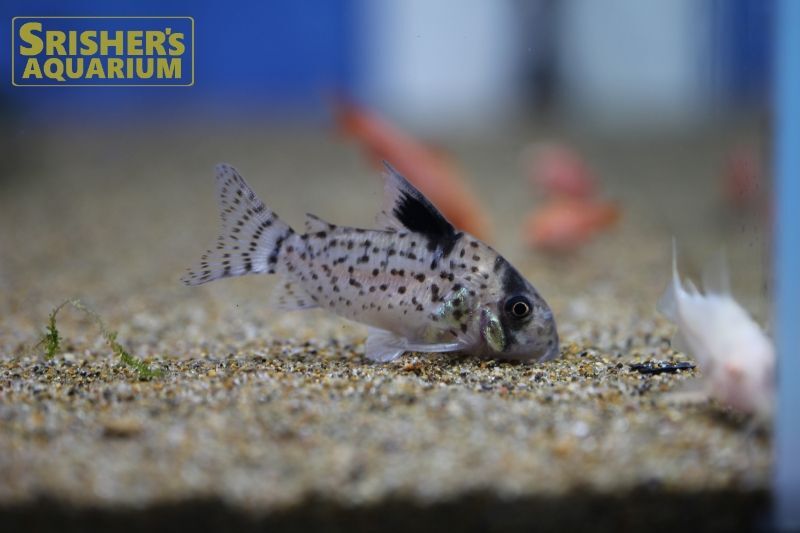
518	307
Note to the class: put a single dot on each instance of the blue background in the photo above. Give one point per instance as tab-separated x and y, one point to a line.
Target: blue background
276	55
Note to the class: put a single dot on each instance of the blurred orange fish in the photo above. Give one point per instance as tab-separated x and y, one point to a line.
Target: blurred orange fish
558	170
428	169
743	177
565	224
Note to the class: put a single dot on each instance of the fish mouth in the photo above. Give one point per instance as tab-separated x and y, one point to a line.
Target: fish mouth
551	353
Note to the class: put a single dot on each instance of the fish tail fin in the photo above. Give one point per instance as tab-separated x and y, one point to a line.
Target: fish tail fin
250	237
667	304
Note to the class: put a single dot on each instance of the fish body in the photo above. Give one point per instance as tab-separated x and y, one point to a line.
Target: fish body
743	178
736	357
418	283
428	169
559	170
566	224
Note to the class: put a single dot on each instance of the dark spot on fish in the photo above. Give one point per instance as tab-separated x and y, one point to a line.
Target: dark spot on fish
401	290
420	277
513	282
273	257
498	263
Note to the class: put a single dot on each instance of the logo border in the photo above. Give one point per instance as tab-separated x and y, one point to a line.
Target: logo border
13	41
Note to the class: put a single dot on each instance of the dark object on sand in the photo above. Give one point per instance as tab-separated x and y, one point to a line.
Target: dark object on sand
659	367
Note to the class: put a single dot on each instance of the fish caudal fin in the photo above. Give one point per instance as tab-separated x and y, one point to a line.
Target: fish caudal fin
668	304
251	236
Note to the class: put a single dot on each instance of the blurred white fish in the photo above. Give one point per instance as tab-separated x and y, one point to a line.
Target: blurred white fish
736	358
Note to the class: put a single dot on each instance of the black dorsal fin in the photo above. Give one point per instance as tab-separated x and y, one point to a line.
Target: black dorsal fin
406	209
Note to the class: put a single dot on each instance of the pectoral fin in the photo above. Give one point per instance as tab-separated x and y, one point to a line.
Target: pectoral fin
384	346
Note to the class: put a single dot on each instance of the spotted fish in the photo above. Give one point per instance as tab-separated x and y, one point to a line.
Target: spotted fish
418	283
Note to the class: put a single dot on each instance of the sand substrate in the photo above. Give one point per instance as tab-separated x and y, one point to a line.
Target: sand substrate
269	419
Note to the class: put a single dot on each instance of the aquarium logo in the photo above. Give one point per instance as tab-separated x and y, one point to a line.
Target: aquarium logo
102	51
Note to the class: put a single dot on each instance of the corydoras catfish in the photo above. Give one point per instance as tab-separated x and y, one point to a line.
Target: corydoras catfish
736	358
418	283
